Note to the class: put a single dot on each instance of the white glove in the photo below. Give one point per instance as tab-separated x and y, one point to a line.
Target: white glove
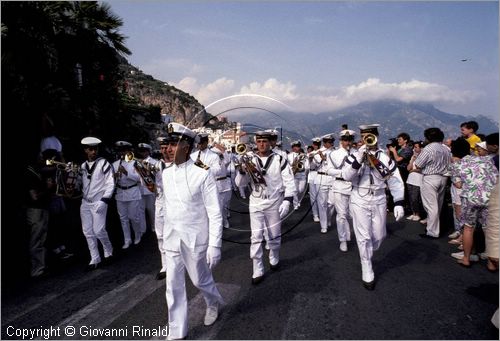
101	207
399	212
361	153
284	208
213	256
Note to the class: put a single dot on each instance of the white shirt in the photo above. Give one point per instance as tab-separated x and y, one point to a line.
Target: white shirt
127	186
192	210
279	182
366	180
323	166
337	161
97	180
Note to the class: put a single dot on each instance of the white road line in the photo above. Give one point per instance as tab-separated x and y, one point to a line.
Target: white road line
196	313
107	308
33	302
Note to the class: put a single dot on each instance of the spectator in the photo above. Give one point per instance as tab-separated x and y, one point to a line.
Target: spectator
433	162
402	154
413	182
468	130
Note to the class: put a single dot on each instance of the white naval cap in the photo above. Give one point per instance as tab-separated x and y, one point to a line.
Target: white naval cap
369	128
316	140
263	134
295	143
123	144
179	132
90	141
144	146
162	140
347	132
328	137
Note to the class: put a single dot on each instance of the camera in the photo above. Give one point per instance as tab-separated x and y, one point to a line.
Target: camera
393	142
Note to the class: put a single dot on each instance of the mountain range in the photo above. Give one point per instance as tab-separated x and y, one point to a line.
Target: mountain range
394	117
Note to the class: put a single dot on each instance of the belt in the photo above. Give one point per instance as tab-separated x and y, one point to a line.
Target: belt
221	178
126	187
323	173
340	179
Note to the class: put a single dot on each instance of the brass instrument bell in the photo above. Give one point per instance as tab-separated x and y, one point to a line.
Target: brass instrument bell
370	139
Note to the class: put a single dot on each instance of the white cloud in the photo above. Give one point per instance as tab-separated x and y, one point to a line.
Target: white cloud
273	93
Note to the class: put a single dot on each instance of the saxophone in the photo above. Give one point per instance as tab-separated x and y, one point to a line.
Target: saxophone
147	173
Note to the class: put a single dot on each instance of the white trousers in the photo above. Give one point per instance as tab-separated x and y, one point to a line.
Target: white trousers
195	263
159	223
369	218
341	204
313	198
224	199
129	215
265	221
432	192
147	207
325	207
94	228
300	184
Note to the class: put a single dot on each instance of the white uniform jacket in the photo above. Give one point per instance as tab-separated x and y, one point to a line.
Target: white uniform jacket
210	159
279	182
367	183
192	210
322	177
338	159
97	180
127	186
223	177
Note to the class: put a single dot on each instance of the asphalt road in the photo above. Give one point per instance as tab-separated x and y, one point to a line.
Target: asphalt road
421	293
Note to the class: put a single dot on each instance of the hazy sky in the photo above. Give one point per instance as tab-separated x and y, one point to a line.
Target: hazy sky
321	56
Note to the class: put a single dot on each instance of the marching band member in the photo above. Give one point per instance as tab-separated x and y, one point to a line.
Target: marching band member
223	182
128	193
311	178
192	231
300	167
147	203
275	145
370	170
161	165
324	182
97	187
273	188
341	189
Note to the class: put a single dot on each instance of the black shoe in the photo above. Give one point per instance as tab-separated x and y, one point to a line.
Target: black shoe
275	267
425	235
91	267
257	280
108	260
369	285
161	275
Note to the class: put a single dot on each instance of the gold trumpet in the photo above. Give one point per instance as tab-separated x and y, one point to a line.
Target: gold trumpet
241	148
129	156
62	165
370	139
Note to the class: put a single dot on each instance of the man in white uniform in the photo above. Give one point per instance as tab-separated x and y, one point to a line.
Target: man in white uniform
269	202
370	170
161	165
300	167
192	232
128	194
324	182
147	203
223	182
311	179
97	187
340	194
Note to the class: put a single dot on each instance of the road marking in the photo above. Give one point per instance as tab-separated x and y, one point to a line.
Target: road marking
34	302
196	312
107	308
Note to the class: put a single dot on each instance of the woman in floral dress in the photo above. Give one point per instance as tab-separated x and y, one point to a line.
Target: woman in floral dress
476	176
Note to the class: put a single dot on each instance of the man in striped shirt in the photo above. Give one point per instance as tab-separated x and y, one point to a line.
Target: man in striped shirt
433	162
